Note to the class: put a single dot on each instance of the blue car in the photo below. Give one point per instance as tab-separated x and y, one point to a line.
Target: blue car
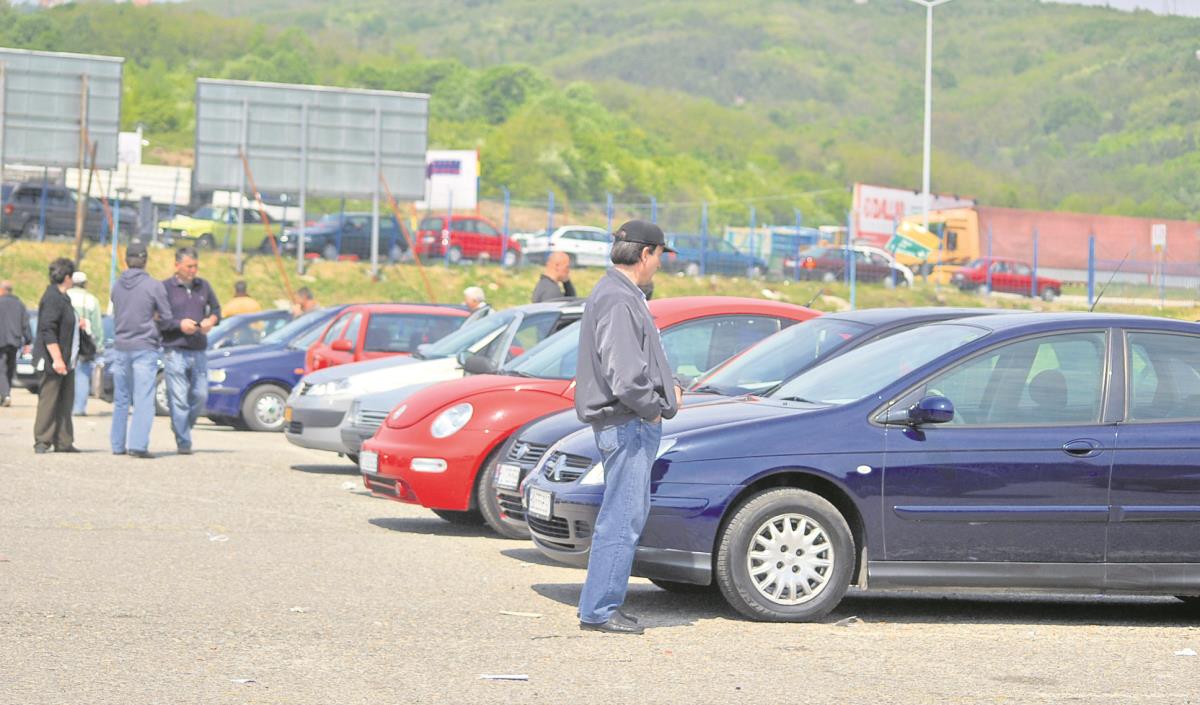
756	371
247	328
719	257
248	385
1022	451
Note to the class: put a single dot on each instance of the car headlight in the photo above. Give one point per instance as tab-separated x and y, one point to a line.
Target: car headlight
450	421
216	376
595	475
327	388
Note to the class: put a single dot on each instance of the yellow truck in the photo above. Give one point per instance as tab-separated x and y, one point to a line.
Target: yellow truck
951	242
208	226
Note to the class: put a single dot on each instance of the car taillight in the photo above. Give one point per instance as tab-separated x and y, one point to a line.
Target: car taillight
809	263
8	209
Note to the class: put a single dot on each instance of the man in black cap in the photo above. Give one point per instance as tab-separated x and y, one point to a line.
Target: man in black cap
624	389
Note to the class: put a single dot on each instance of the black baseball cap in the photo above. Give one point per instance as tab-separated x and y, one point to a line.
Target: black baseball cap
642	232
136	250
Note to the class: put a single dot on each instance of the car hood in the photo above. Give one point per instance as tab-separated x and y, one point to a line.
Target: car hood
244	354
427	401
368	369
551	429
388	400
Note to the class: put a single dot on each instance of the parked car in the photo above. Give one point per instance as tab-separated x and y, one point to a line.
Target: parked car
247	328
24	205
208	226
719	257
341	234
248	385
432	449
758	370
1008	275
585	246
829	264
465	237
336	409
1017	451
26	374
369	331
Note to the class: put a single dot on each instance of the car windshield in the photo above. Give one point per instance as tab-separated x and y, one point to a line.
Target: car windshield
295	327
466	337
866	370
553	358
780	357
205	213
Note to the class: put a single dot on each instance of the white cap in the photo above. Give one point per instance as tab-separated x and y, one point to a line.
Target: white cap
79	278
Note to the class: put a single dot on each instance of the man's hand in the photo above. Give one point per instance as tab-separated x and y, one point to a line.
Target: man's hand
207	324
657	419
678	395
59	367
188	326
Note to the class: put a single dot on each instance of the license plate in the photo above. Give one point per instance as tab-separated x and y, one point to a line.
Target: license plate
368	461
541	503
287	414
508	476
24	368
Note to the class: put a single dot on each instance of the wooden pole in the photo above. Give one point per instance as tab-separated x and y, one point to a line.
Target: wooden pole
81	200
412	246
287	282
87	194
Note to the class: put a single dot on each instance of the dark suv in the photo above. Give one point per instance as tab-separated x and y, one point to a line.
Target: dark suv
339	234
23	208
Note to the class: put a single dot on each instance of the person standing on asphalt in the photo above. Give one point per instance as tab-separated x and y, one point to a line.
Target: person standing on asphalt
555	282
140	308
241	301
476	302
185	363
14	335
87	310
55	352
624	389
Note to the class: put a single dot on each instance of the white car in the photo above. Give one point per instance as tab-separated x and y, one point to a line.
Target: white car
585	245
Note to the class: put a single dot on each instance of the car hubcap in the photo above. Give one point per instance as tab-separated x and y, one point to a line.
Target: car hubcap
790	559
269	410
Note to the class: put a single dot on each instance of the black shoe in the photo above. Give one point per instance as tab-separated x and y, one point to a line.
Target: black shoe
68	449
614	625
626	616
141	454
39	449
184	451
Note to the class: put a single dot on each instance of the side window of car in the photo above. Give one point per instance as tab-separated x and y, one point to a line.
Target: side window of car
1022	270
352	330
1035	382
999	267
696	346
335	329
1164	377
430	224
484	229
463	226
532	331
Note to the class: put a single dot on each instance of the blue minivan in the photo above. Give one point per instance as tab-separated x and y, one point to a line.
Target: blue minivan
1022	451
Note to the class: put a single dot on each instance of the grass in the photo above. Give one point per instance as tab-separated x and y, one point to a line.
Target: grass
348	282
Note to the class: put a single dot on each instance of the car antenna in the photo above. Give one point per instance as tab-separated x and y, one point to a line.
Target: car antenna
1110	281
816	296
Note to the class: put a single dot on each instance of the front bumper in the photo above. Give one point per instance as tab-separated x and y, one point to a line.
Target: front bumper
223	401
448	489
313	421
360	426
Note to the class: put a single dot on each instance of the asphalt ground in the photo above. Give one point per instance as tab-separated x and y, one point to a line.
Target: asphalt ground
258	572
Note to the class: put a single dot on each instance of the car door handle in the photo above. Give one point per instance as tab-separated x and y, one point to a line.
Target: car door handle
1082	447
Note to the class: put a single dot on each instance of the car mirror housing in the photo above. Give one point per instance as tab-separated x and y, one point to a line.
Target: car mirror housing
342	345
478	365
930	410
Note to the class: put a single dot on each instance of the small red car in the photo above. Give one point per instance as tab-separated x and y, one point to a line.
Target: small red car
430	449
366	331
465	237
1008	275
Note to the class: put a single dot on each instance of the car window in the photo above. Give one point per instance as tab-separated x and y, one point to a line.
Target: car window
404	332
1022	269
697	346
572	235
251	216
431	224
1049	380
335	329
554	358
249	333
205	213
999	267
1164	377
532	331
484	229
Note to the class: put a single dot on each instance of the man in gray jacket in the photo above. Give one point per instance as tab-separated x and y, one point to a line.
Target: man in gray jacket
140	308
14	335
624	388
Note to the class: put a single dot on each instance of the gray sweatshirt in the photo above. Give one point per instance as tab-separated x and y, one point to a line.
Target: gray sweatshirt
140	308
622	373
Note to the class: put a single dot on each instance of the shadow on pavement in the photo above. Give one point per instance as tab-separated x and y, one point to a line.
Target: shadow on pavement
432	526
652	606
340	469
531	555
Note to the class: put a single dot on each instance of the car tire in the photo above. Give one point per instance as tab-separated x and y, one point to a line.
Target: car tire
353	458
330	253
206	242
511	259
455	255
1048	295
395	254
262	409
679	588
983	290
162	405
30	230
829	277
489	503
754	272
692	269
467	518
767	521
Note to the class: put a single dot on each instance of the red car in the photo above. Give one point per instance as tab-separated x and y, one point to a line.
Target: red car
1008	275
466	237
430	449
366	331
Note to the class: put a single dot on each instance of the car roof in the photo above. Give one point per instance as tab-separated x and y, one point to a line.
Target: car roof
565	305
428	309
882	316
1076	319
669	310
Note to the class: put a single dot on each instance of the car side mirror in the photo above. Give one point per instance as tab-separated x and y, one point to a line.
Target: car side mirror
342	345
478	365
932	409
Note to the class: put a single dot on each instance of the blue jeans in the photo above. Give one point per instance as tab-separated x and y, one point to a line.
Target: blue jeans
628	452
134	376
83	385
186	372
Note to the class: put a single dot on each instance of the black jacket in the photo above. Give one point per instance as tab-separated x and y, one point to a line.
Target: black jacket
14	323
56	324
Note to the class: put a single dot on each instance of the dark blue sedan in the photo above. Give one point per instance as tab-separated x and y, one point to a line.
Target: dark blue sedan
249	385
1026	451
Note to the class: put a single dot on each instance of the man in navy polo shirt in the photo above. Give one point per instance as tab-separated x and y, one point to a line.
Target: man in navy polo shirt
194	312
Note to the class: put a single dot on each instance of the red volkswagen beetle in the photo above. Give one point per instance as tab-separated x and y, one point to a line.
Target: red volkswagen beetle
430	449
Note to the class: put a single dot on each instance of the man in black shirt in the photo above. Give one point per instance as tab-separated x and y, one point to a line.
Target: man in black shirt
55	352
14	335
555	282
194	312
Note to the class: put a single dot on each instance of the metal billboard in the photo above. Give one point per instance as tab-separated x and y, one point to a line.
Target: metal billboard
346	136
42	101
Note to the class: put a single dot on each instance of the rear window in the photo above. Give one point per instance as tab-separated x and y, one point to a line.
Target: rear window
404	332
431	224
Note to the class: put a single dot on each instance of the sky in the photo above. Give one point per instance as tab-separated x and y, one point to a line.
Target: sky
1162	7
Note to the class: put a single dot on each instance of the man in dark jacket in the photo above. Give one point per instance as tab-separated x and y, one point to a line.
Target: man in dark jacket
194	312
624	389
55	351
140	308
555	282
14	335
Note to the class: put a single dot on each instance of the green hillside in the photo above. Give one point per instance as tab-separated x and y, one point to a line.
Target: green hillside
784	102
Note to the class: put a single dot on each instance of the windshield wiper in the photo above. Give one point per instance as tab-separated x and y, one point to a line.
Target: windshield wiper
708	389
418	355
518	373
802	400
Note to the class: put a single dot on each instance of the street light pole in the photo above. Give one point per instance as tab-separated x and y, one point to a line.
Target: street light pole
929	5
